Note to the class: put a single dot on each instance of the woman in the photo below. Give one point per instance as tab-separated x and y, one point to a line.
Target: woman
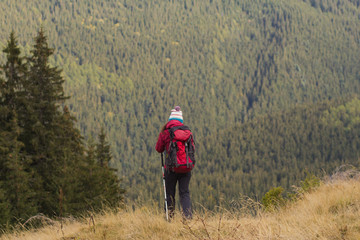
180	174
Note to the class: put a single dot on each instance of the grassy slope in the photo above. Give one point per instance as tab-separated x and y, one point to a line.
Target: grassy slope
330	212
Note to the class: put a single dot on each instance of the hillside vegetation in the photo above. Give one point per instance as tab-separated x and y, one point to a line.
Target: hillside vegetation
279	149
45	167
245	73
332	211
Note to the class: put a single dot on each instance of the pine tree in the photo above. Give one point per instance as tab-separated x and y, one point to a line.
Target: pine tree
4	207
4	203
14	94
70	161
92	177
45	94
15	174
109	183
15	71
45	86
101	184
103	152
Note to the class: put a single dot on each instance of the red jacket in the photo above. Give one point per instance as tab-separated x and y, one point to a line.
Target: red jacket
163	142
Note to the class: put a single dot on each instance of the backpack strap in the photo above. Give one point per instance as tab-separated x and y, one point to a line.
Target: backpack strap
187	152
173	129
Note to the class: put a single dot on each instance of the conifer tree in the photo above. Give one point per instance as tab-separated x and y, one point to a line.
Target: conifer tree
103	152
112	193
16	174
92	178
4	203
13	91
45	94
15	71
16	192
100	181
69	163
4	207
45	83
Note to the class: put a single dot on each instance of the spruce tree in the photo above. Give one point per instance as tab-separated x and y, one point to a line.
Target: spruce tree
101	184
14	166
4	207
45	94
15	71
103	152
70	161
4	203
16	175
109	183
92	179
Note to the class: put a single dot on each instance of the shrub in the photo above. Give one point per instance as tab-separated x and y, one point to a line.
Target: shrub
273	199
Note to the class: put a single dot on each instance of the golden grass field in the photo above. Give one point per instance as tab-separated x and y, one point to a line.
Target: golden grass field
332	211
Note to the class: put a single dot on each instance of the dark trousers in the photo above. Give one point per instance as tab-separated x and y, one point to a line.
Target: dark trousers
171	178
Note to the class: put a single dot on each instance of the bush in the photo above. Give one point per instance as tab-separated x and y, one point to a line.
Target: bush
273	199
311	182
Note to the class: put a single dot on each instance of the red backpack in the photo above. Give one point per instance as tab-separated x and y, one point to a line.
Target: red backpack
180	156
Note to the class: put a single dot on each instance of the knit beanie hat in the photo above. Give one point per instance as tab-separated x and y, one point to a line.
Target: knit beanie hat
176	114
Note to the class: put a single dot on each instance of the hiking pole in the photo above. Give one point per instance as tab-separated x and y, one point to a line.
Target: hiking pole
163	172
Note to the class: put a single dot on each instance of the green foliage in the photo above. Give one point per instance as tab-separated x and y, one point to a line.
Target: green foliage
276	148
42	156
16	175
238	69
273	199
103	153
5	213
17	193
345	116
310	183
109	184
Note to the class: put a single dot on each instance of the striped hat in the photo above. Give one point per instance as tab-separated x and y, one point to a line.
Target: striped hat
176	114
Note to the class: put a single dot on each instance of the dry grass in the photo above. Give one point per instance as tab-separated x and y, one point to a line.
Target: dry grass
330	212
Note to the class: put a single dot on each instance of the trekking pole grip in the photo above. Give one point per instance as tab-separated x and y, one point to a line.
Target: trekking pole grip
162	159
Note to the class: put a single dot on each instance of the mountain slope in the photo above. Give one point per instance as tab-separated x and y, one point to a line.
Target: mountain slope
127	63
280	149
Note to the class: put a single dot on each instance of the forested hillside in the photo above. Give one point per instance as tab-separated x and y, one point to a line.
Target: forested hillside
281	149
240	70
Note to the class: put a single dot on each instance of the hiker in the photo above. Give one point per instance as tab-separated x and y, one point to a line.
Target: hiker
179	172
